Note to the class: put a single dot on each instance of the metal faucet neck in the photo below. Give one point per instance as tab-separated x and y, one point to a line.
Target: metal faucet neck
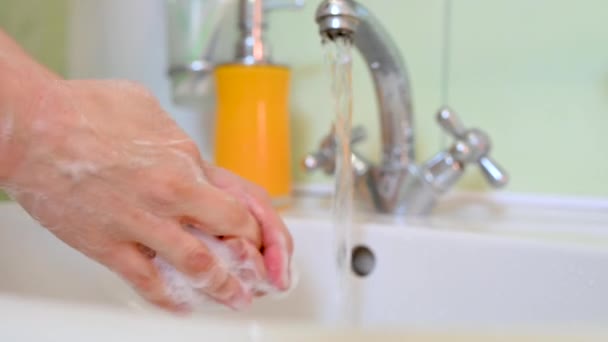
391	81
398	185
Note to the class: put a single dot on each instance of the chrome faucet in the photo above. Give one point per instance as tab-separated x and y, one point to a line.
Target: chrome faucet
397	185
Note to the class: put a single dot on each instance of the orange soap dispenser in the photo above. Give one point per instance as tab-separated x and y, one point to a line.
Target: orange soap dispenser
252	127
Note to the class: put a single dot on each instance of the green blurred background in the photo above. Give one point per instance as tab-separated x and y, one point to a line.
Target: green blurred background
533	74
40	27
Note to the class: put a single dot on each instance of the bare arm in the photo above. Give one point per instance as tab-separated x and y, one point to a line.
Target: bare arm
21	82
105	169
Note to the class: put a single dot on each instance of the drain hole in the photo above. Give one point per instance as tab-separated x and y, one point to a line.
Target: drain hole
363	261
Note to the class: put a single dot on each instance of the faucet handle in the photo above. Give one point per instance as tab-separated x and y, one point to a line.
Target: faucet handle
325	157
450	122
495	174
472	146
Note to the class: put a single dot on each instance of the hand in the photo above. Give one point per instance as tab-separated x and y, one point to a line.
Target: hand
277	242
107	171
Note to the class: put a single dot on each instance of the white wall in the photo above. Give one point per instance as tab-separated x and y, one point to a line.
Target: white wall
126	39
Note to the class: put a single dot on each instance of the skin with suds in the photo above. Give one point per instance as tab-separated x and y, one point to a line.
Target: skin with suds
106	170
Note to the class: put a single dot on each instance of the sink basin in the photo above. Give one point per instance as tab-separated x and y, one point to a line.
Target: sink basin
478	263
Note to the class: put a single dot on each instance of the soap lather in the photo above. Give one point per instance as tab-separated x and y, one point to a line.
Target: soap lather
185	290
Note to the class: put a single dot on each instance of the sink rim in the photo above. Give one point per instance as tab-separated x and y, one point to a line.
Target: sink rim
380	232
566	221
562	220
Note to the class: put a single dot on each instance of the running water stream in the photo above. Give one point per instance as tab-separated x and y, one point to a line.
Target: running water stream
338	58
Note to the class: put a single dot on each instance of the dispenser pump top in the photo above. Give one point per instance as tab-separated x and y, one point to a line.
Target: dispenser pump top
251	47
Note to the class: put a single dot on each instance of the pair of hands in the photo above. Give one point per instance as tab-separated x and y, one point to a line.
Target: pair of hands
106	170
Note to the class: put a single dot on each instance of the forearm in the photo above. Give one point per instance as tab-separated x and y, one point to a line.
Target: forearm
22	83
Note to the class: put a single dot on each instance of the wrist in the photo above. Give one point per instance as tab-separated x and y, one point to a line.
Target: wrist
20	99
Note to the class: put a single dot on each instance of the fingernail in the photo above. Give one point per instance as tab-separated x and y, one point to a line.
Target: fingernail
277	276
286	280
284	275
287	274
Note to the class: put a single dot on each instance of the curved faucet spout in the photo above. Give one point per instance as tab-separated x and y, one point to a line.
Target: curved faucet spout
346	18
398	185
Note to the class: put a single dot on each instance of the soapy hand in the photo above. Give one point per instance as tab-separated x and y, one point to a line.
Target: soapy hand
106	170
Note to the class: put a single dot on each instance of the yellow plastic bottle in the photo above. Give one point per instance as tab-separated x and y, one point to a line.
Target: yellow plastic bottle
252	126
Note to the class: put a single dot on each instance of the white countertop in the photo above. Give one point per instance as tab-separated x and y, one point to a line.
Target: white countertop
38	320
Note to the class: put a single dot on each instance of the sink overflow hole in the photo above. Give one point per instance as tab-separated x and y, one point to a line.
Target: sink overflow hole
363	261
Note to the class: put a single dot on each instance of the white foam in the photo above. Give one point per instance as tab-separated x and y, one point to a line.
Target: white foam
186	290
77	170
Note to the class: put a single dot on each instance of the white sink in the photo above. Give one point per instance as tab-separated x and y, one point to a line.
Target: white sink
478	263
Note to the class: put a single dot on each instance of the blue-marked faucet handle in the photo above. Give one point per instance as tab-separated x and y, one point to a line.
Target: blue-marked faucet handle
472	146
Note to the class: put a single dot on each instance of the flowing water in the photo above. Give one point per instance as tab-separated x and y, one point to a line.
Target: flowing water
338	56
339	61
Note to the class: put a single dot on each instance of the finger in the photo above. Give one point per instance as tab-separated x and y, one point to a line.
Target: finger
249	194
192	257
146	251
226	288
250	261
218	213
276	240
176	245
129	263
210	276
229	292
250	270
